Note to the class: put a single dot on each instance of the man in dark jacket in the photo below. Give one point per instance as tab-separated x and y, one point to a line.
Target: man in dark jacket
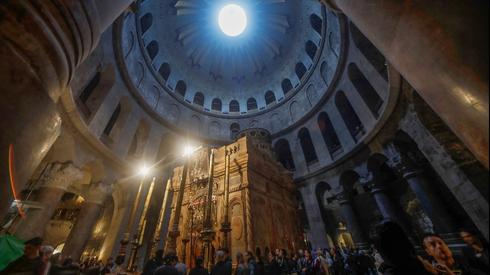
221	267
475	254
154	263
398	252
29	263
168	267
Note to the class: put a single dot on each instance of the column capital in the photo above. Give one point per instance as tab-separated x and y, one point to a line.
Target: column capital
60	175
401	161
98	193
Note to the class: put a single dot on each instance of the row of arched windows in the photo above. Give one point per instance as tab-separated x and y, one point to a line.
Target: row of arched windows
329	134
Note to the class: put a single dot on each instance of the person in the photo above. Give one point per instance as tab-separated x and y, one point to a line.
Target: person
444	261
307	263
181	267
397	251
283	262
320	265
260	265
240	264
271	266
110	266
153	263
221	267
250	265
475	254
168	267
30	262
199	269
46	252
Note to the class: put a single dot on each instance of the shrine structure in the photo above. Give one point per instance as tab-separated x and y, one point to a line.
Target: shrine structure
248	205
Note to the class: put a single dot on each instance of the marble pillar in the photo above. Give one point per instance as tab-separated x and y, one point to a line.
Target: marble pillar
86	220
35	70
441	49
429	200
387	206
351	220
54	183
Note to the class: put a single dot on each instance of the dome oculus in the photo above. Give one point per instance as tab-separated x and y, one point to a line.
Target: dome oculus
232	20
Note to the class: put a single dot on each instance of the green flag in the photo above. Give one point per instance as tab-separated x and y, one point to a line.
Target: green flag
11	249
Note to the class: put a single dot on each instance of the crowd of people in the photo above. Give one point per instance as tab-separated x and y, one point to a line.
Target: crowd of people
392	253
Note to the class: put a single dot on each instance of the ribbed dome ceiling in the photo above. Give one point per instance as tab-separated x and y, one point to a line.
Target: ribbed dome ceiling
270	61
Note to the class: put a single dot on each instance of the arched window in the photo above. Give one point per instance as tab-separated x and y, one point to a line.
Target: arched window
287	86
217	105
234	130
270	97
89	89
284	155
365	89
152	49
328	132
349	116
116	123
139	141
94	93
234	106
307	146
316	23
165	71
198	99
146	21
369	51
252	104
181	88
112	121
300	70
311	49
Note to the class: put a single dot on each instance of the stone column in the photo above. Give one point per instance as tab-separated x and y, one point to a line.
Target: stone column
388	208
414	175
86	220
54	182
36	68
441	48
351	219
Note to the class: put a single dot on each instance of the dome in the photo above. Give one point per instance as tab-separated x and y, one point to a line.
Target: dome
178	59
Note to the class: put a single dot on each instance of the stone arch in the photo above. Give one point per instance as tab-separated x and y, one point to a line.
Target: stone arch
287	86
365	89
349	116
199	99
311	49
217	105
146	21
329	134
300	70
152	49
282	149
181	88
234	106
372	54
94	93
116	122
252	104
307	145
316	23
165	71
270	98
234	130
140	139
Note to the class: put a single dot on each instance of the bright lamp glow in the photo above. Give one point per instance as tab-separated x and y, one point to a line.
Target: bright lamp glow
144	170
188	150
232	20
